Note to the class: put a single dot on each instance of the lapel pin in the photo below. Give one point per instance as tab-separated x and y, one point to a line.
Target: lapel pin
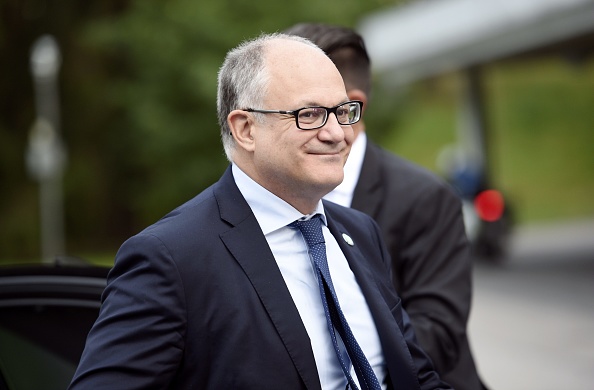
348	239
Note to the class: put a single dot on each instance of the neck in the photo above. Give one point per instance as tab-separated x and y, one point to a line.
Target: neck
305	202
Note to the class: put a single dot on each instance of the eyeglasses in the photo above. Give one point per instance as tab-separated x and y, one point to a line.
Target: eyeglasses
311	118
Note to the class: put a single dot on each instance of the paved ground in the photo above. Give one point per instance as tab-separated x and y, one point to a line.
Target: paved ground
532	321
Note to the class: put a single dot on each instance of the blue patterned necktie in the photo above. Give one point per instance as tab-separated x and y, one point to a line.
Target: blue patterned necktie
312	233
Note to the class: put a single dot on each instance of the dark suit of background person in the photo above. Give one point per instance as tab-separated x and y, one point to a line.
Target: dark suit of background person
197	300
421	221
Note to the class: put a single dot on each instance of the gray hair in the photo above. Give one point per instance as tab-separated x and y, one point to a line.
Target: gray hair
243	80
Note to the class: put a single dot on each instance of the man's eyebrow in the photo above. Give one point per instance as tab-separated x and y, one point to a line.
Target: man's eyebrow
312	103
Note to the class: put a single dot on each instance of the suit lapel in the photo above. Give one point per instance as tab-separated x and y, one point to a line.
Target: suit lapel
247	244
367	196
398	359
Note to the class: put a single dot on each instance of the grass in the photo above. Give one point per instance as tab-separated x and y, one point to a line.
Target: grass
541	119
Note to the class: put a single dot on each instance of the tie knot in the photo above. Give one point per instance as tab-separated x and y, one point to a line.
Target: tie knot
311	230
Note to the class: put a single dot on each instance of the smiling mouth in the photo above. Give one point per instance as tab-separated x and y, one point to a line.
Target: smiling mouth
335	156
333	152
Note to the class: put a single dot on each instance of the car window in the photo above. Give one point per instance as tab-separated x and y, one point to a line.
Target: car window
41	344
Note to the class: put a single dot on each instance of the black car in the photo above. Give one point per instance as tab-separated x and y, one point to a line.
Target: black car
46	312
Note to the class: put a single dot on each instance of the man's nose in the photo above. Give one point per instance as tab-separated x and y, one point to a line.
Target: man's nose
332	131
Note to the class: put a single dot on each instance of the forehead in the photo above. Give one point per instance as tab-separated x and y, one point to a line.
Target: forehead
301	75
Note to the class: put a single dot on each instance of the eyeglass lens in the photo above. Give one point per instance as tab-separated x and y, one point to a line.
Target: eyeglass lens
313	117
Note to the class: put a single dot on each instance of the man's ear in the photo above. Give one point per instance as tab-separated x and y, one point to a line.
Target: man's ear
241	124
357	94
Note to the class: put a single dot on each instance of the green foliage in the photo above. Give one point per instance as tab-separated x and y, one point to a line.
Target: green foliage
540	138
543	120
426	121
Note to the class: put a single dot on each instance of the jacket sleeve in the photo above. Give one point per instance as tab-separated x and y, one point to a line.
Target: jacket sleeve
137	339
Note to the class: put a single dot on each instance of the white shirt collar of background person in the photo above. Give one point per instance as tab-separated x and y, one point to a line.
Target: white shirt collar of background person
343	194
290	252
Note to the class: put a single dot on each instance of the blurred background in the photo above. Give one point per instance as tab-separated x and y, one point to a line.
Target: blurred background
107	122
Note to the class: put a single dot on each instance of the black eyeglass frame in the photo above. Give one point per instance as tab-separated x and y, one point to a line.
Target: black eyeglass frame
295	113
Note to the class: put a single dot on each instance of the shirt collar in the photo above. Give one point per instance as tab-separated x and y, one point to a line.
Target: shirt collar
271	212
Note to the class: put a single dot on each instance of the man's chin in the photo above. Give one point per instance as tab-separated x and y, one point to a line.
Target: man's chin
331	184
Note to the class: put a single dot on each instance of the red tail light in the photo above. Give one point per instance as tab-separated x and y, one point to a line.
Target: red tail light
489	205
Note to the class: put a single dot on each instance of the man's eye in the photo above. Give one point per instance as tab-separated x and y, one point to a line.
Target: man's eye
311	114
342	112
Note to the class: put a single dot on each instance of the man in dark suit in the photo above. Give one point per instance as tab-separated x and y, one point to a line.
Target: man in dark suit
419	216
231	290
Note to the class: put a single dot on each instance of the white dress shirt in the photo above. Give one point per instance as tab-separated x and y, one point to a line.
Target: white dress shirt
343	194
290	251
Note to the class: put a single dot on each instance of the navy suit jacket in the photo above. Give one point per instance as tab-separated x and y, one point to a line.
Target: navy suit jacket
421	221
196	301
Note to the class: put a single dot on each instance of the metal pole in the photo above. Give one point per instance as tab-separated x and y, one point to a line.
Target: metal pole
46	156
473	127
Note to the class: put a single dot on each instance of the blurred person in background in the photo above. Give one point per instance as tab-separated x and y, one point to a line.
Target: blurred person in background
420	218
232	290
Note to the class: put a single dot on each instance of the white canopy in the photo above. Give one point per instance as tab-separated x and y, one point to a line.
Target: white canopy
428	37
